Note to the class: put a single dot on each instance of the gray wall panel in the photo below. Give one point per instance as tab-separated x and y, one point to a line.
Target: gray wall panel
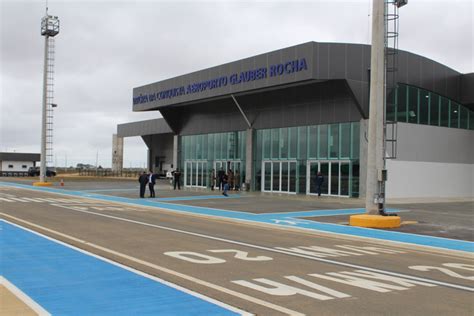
355	64
148	127
434	144
337	61
467	90
426	74
327	102
323	61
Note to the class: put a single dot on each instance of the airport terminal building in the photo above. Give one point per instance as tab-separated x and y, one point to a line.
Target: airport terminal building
280	117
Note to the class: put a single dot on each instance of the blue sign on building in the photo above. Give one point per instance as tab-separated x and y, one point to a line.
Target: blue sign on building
274	70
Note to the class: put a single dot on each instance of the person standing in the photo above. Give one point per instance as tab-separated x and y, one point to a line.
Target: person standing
143	180
151	183
230	181
220	175
212	178
177	179
237	180
225	184
319	182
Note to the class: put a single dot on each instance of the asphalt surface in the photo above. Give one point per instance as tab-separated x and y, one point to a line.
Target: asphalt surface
441	219
258	268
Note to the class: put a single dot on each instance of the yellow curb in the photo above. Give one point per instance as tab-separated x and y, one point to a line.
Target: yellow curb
42	184
375	221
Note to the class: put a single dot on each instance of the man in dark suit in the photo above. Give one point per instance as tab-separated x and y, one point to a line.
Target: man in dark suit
151	183
143	180
177	179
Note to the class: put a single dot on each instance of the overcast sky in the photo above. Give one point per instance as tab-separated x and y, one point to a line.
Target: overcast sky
105	48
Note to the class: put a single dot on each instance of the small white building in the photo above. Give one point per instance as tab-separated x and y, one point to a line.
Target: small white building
17	164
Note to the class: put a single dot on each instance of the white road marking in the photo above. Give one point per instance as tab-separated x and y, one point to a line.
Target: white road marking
23	297
445	270
31	200
159	268
344	264
5	200
18	199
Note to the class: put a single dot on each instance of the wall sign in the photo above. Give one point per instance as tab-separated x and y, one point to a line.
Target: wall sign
275	70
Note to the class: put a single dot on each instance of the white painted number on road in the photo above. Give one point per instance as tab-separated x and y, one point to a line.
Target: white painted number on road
461	266
242	255
194	257
356	278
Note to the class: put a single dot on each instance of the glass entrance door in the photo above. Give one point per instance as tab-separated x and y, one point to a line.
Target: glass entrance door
279	176
336	177
195	173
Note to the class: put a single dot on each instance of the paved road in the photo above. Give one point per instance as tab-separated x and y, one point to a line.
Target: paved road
257	268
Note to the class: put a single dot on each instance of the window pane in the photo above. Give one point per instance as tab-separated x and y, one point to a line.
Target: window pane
313	141
210	146
412	105
355	140
454	115
334	141
434	109
217	146
224	143
391	105
323	141
184	145
355	180
266	143
293	142
444	112
231	146
424	106
275	143
198	146
302	145
301	177
284	142
402	103
259	146
463	120
345	140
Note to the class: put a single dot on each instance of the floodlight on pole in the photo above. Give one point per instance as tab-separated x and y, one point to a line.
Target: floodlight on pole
49	29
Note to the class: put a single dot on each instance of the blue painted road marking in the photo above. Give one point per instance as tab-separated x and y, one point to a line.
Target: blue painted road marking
197	197
408	238
65	281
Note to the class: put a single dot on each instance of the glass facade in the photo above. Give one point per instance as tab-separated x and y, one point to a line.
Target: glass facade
287	160
202	153
415	105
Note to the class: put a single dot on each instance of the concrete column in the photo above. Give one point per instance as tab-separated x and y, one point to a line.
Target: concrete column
363	157
117	153
375	160
149	160
249	158
175	151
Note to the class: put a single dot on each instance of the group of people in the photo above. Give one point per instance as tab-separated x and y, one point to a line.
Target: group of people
150	179
224	181
144	179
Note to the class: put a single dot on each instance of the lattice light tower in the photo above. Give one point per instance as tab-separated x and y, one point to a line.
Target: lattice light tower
49	29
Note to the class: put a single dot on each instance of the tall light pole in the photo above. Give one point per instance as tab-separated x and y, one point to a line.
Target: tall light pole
375	157
49	29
